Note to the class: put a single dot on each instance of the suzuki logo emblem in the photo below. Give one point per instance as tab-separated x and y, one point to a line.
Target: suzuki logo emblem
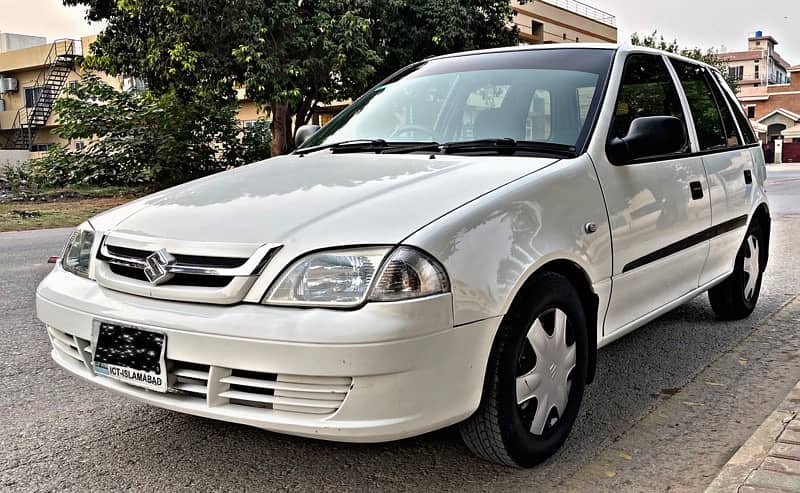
157	267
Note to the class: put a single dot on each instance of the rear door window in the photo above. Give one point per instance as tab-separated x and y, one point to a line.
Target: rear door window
646	90
712	118
705	113
732	138
738	114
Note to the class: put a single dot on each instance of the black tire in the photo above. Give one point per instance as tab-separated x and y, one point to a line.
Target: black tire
496	432
729	299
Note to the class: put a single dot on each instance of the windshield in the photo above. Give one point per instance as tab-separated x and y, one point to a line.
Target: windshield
546	96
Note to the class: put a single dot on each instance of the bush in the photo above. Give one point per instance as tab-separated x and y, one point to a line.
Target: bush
136	138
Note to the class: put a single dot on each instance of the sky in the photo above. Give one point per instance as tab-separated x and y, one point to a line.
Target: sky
44	18
710	23
703	23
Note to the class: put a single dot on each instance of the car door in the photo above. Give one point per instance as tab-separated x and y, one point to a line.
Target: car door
727	160
658	207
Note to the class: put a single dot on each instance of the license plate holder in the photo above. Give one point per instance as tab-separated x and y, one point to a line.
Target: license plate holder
131	355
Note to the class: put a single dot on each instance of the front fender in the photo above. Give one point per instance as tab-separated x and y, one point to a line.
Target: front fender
493	244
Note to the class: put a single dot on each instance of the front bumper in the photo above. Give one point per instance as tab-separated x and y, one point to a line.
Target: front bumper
384	372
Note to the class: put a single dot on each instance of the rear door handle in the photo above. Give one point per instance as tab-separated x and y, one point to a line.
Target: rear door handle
697	190
748	176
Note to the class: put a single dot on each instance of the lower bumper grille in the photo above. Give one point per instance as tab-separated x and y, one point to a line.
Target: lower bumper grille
74	347
219	386
278	392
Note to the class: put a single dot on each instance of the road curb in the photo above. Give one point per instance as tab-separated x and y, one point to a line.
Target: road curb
769	461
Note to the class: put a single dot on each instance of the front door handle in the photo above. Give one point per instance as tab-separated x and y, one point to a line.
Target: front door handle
697	190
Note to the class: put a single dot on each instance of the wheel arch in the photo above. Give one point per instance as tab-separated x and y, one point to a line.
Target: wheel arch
590	301
762	218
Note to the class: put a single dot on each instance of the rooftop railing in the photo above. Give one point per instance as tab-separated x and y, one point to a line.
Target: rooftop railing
585	10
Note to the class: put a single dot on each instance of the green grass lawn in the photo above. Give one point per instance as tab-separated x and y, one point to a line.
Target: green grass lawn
55	213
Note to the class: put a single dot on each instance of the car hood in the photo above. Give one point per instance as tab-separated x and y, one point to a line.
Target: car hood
318	200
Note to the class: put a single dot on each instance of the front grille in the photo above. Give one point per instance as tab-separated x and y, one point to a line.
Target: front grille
177	280
194	260
198	272
269	391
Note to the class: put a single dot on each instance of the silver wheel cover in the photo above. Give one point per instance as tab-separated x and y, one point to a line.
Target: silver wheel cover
751	266
549	381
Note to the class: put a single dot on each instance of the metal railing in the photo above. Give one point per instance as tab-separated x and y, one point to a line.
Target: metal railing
60	47
586	11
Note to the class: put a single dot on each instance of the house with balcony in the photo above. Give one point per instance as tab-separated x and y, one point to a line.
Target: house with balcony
562	21
760	65
33	74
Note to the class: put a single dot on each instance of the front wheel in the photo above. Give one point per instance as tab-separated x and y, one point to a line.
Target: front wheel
736	297
535	378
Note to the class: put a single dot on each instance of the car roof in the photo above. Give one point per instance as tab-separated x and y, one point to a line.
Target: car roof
622	48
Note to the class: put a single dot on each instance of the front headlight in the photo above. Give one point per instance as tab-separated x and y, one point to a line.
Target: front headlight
346	278
78	251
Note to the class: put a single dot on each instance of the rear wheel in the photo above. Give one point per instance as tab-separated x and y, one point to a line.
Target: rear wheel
736	297
535	378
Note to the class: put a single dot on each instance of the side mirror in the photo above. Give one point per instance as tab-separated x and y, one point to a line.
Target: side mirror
649	136
304	133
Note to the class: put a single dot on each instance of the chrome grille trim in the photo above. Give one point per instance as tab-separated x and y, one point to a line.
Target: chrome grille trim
195	275
251	267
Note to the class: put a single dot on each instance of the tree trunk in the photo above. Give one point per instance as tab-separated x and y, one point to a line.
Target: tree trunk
281	128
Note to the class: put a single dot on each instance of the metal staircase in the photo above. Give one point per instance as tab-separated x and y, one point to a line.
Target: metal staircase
59	63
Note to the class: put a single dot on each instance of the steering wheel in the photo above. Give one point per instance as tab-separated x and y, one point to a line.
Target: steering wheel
411	129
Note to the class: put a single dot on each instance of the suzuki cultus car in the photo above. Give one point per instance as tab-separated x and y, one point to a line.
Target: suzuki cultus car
454	247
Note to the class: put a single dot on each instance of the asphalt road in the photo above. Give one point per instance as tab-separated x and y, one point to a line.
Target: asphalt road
712	382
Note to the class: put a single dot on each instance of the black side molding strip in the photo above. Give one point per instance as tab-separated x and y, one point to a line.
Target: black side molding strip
688	242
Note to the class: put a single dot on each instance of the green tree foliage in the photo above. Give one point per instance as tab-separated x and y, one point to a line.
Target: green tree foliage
295	54
709	56
135	137
291	55
406	31
257	141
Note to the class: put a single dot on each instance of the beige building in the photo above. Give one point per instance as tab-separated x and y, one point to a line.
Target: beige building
30	79
760	65
33	73
562	21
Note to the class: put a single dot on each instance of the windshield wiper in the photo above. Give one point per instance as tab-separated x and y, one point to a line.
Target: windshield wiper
499	146
508	146
426	146
356	145
504	146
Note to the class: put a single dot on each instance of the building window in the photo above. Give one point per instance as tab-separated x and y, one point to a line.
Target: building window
751	112
79	146
249	123
40	147
757	71
31	95
736	72
73	84
565	36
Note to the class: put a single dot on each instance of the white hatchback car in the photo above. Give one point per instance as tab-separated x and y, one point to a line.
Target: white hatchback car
452	248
